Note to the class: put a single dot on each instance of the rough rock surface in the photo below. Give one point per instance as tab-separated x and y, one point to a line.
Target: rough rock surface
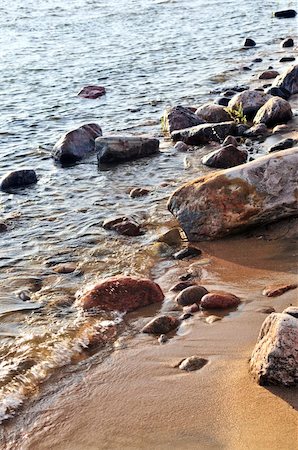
219	300
225	157
92	92
181	147
205	133
115	149
274	112
231	200
182	285
275	357
251	102
277	290
17	179
179	117
282	145
139	192
191	295
213	113
288	80
121	294
192	363
256	131
76	144
161	325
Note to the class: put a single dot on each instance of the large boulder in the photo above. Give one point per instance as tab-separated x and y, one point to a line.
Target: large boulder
231	200
210	112
288	80
202	134
121	294
178	118
17	179
225	157
275	357
77	143
249	101
274	112
116	149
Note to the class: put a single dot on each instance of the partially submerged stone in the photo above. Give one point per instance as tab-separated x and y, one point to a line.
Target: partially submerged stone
18	179
249	42
249	101
219	300
288	42
161	325
76	144
232	200
191	295
205	133
282	145
178	118
275	357
213	113
116	149
277	290
123	225
288	80
274	112
188	252
225	157
139	192
121	294
285	14
192	363
92	92
268	75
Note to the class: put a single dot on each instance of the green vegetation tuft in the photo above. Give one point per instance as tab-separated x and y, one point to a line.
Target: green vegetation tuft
236	114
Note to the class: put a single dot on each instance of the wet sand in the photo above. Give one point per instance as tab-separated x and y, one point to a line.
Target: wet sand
137	399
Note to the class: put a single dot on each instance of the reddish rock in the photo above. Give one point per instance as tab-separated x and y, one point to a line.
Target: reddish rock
213	113
225	157
123	225
161	325
191	309
268	75
122	294
92	92
65	268
274	112
219	300
139	192
190	295
249	101
275	291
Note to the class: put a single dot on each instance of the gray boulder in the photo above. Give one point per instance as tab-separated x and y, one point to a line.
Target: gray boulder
77	143
116	149
178	118
249	101
288	80
229	201
18	179
275	111
205	133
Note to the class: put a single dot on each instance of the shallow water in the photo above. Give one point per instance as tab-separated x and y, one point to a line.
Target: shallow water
148	54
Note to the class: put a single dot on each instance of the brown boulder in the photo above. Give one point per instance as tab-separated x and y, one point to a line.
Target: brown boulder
219	300
121	294
275	111
225	157
268	75
161	325
277	290
139	192
213	113
92	92
178	118
191	295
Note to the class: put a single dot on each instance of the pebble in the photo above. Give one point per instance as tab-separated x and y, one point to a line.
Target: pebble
191	295
212	319
249	43
24	296
65	268
192	363
161	325
287	59
287	43
188	252
163	339
181	146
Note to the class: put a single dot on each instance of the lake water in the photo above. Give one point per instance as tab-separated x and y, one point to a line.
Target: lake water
148	54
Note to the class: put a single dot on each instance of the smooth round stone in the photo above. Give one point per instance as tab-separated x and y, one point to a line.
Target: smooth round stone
212	319
219	300
192	363
161	325
191	295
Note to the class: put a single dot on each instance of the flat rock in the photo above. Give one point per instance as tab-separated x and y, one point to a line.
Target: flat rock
225	157
76	144
274	112
178	118
192	363
18	179
282	145
205	133
213	113
117	149
250	101
219	300
274	359
191	295
277	290
187	253
288	80
232	200
122	294
266	310
92	92
287	59
268	75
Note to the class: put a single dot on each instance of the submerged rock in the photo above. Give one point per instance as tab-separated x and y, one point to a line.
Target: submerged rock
288	42
282	145
268	75
219	300
139	192
225	157
121	294
277	290
77	143
116	149
249	43
191	295
188	252
92	92
123	225
161	325
205	133
231	200
178	118
275	357
285	14
18	179
288	80
249	101
274	112
192	363
213	113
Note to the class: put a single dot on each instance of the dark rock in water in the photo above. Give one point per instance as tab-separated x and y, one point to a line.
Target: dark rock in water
287	43
223	101
181	147
249	43
3	227
246	68
186	276
229	93
161	325
182	285
268	74
213	113
188	252
292	311
18	179
230	140
257	60
225	157
192	363
116	149
279	92
249	101
205	133
267	85
185	316
191	295
139	192
256	131
76	144
277	290
92	92
274	112
288	80
282	145
179	117
286	14
219	300
287	59
123	225
241	129
121	294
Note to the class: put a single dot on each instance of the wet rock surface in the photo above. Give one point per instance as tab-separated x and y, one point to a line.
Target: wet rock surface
282	145
123	225
277	290
279	92
179	117
256	131
187	253
268	75
225	157
122	294
275	111
191	295
275	357
219	300
288	42
92	92
250	101
139	192
182	285
288	80
18	179
117	149
213	113
212	319
205	133
192	363
161	325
